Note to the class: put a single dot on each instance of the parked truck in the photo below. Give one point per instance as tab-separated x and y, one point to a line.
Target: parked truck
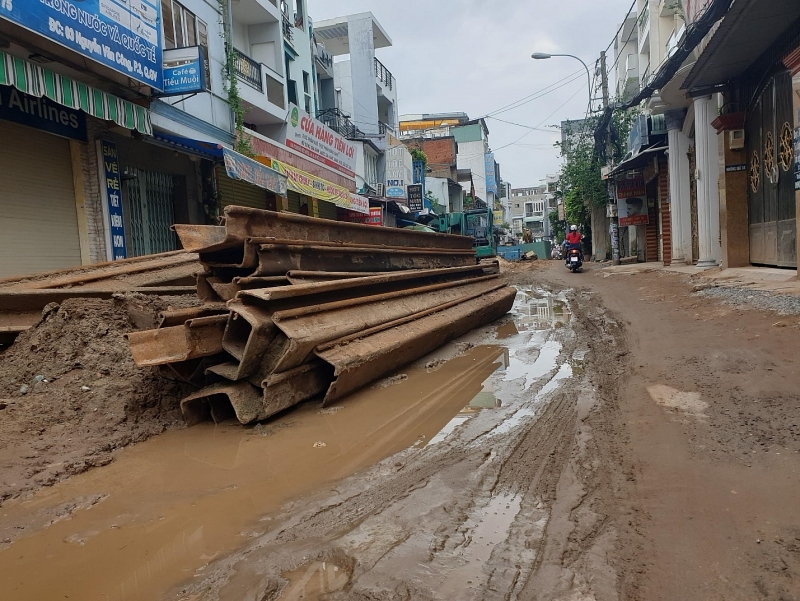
477	223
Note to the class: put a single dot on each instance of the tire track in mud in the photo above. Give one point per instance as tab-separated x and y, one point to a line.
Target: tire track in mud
401	527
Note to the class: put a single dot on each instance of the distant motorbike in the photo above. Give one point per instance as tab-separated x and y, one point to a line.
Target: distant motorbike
574	260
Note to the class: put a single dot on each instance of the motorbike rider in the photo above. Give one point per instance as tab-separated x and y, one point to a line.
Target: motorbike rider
574	240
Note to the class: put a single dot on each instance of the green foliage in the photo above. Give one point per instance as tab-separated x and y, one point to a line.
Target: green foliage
230	83
558	227
580	183
418	154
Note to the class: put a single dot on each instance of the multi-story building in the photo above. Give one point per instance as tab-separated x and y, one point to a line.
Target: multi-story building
530	211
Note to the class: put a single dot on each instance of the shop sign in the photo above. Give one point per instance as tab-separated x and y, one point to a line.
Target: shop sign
797	158
247	170
491	179
111	190
184	71
375	217
310	185
123	36
632	202
41	113
415	198
498	217
395	188
317	141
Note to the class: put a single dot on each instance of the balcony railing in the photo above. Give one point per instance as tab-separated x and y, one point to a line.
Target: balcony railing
340	123
248	70
324	58
384	128
383	74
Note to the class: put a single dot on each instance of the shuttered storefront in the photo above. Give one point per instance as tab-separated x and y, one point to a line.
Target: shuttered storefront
327	210
39	224
235	192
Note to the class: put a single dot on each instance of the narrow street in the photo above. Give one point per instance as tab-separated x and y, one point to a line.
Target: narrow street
616	436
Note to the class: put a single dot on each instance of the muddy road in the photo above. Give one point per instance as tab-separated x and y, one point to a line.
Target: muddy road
614	437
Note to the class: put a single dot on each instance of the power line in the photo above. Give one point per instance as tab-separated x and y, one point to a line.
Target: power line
611	43
543	121
525	126
535	95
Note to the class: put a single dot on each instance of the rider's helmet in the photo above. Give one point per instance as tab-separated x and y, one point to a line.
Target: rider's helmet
573	228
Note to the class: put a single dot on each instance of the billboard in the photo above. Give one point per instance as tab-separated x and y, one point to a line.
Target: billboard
317	141
124	35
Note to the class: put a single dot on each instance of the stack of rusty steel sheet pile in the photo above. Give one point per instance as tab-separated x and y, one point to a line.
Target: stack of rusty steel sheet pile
299	308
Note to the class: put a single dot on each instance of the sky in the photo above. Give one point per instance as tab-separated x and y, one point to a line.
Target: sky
473	56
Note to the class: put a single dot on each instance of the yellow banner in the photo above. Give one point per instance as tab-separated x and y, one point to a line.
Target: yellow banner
303	182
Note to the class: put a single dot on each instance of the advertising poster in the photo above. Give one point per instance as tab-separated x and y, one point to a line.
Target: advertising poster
310	185
123	35
317	141
632	202
240	167
491	179
375	217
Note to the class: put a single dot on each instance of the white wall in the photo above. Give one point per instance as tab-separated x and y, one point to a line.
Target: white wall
471	155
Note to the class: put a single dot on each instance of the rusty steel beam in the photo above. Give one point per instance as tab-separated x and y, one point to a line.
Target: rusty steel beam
359	360
222	401
313	277
353	287
177	317
201	337
274	259
242	223
287	389
308	327
25	299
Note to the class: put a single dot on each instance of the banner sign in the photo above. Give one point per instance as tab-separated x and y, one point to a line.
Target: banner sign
184	71
124	35
247	170
316	140
415	199
375	217
491	176
310	185
41	113
498	217
632	202
111	189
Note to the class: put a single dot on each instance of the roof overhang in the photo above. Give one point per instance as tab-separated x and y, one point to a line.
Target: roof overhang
335	33
747	31
640	160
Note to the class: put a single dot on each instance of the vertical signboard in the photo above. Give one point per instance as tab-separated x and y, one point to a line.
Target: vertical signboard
415	199
123	35
632	202
111	190
491	178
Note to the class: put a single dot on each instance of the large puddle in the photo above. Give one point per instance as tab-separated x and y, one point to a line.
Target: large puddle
167	507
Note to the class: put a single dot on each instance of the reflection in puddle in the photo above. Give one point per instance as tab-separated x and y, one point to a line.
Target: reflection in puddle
546	362
485	399
507	330
539	310
313	580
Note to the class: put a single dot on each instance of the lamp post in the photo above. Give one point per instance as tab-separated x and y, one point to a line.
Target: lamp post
540	56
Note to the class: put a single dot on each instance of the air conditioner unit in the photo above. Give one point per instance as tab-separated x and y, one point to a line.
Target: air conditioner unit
381	190
736	138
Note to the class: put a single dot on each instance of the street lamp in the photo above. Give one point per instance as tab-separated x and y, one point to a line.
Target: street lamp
540	56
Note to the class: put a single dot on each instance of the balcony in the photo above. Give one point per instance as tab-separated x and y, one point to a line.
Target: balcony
288	24
248	70
384	75
340	123
384	128
674	41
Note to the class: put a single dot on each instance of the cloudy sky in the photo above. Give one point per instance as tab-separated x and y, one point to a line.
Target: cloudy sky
474	56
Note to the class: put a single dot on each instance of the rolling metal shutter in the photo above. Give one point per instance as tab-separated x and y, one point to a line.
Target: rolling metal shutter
38	220
327	210
234	192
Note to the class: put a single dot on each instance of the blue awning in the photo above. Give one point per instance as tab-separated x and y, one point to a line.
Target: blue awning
206	150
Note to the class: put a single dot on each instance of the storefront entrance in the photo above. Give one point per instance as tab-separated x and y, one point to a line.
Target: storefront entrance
771	198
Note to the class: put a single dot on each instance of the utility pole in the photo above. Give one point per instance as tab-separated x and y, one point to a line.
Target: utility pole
615	258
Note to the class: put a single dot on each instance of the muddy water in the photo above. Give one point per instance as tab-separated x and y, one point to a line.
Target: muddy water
169	506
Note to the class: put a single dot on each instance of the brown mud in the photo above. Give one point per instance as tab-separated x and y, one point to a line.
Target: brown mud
70	394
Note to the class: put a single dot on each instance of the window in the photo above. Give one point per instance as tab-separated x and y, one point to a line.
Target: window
182	28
